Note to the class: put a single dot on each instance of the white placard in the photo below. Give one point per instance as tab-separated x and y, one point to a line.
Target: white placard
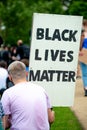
54	55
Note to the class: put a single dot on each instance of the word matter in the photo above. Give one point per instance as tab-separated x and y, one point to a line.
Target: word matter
50	75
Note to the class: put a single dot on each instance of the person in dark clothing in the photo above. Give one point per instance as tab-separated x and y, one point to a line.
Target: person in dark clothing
5	54
3	76
1	41
22	50
2	117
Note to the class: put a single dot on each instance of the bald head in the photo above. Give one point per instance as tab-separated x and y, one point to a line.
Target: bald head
17	70
19	42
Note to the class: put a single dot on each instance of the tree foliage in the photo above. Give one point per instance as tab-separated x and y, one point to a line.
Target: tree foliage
16	15
78	7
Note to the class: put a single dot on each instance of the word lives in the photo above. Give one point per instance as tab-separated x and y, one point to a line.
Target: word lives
55	55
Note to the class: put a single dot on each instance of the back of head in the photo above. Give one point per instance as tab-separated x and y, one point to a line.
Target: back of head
85	24
26	62
3	64
17	70
19	42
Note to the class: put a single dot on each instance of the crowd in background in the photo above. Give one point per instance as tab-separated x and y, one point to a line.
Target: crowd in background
20	52
10	54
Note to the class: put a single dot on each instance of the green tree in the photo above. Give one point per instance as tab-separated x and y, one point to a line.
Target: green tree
17	15
78	7
14	16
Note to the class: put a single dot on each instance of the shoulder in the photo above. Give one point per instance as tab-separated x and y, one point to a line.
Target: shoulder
9	91
7	96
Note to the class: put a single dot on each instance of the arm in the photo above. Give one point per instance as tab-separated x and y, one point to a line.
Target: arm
51	115
6	122
6	108
81	40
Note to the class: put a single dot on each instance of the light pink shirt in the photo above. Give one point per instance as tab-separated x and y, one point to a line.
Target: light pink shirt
27	103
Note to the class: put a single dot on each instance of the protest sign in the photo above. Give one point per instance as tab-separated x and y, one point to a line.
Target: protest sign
54	55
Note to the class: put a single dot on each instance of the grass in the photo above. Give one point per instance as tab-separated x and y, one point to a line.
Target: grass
65	119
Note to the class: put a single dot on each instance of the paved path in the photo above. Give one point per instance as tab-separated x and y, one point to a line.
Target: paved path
80	104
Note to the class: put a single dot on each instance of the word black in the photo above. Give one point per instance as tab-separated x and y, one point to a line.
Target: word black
65	35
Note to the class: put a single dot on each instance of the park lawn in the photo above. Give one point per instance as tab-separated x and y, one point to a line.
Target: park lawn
65	119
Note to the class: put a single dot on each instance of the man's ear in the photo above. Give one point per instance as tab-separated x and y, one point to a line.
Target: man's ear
10	77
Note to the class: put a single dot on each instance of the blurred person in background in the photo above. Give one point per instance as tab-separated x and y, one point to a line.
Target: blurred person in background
83	44
1	41
14	56
3	76
22	50
2	117
26	62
